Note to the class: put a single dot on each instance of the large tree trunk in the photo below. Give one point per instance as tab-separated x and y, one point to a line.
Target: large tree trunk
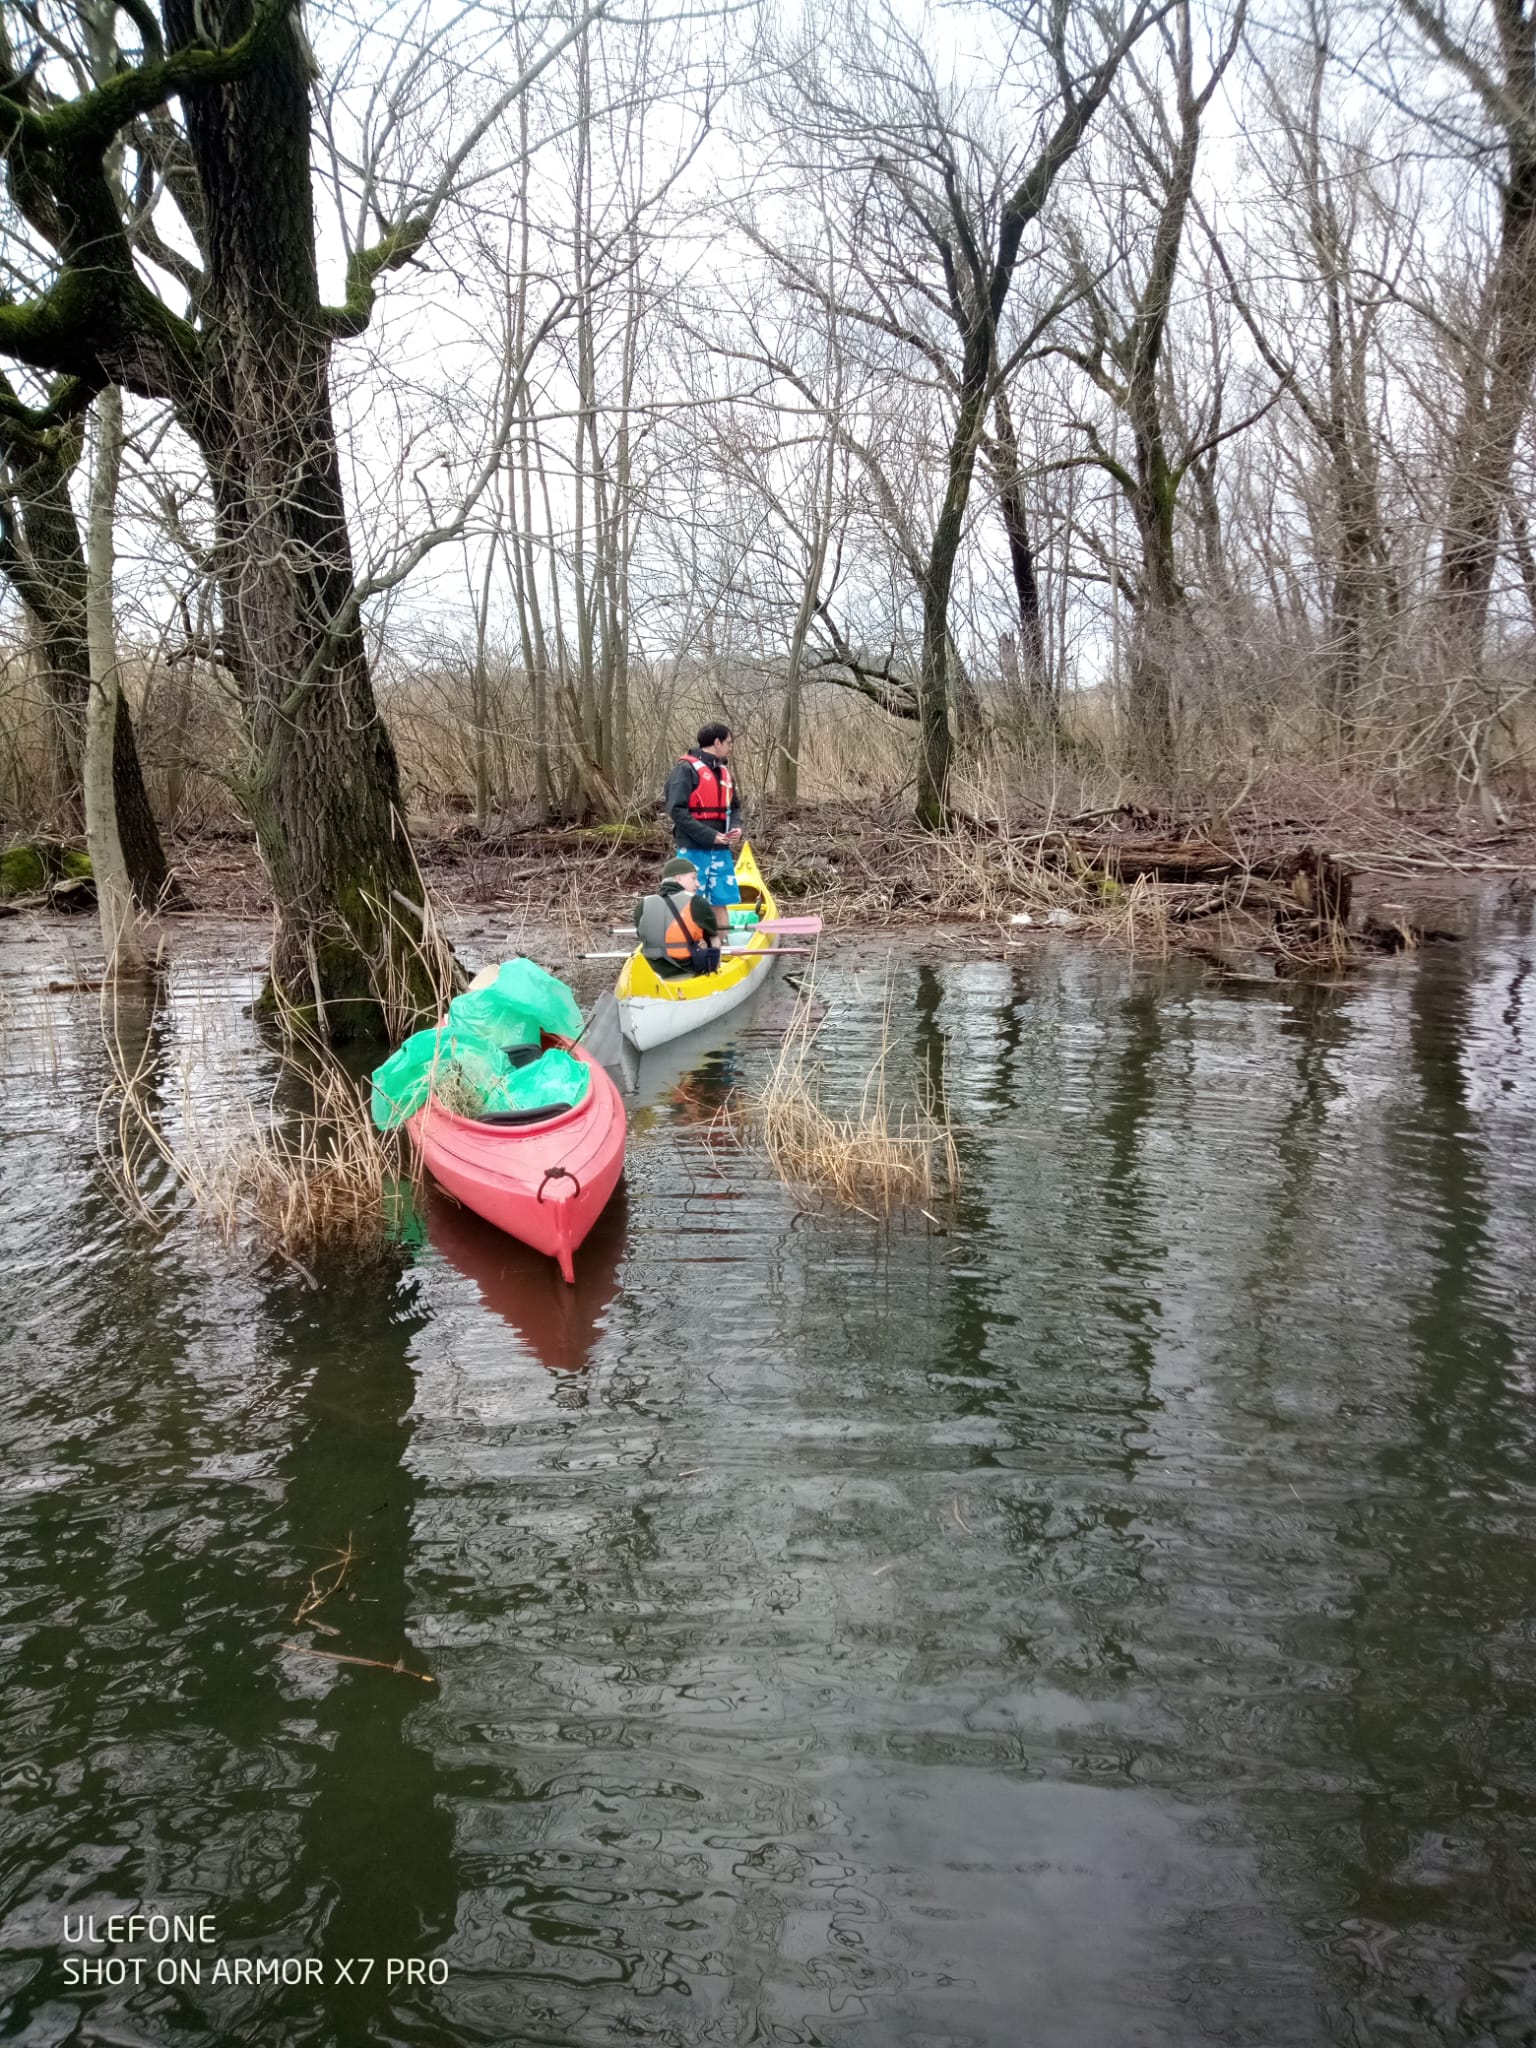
1161	607
323	785
149	874
1501	70
323	788
1355	598
122	945
43	558
935	747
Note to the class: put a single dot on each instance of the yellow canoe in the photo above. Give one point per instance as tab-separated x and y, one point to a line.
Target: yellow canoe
653	1009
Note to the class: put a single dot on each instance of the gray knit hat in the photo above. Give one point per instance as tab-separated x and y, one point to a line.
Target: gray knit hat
677	867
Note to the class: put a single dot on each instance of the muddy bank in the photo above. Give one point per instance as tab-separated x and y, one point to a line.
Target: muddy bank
1287	888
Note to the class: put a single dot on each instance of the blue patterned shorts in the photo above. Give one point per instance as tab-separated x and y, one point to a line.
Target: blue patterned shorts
717	872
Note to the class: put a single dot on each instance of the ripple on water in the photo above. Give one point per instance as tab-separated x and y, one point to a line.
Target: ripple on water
1107	1618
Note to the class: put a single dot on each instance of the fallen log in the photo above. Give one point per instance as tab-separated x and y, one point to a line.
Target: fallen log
1396	935
1321	886
74	892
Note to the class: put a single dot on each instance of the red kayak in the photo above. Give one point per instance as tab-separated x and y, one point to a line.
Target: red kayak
541	1177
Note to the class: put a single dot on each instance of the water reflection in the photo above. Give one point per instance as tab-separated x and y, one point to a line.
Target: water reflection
187	1761
372	1871
1104	1619
559	1324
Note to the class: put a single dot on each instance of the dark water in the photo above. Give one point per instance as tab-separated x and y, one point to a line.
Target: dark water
1108	1622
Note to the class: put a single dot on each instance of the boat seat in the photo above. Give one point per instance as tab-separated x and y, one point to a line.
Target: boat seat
506	1119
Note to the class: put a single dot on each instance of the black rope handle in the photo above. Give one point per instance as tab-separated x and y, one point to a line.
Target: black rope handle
558	1173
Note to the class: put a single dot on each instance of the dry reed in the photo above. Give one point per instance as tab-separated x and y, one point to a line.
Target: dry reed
456	729
301	1179
1139	919
877	1159
318	1178
452	1087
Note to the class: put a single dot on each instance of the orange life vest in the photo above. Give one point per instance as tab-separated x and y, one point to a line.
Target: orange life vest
667	924
710	801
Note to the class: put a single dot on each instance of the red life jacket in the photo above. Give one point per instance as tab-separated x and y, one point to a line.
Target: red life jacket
710	802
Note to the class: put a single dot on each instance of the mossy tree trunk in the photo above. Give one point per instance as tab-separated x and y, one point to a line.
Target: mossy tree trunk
323	785
43	559
122	944
248	375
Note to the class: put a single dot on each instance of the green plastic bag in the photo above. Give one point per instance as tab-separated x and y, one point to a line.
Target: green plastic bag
521	1005
521	1002
555	1076
403	1083
487	1014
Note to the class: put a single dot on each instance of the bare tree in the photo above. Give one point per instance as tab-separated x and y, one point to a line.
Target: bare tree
1125	354
945	211
1494	55
1323	342
247	368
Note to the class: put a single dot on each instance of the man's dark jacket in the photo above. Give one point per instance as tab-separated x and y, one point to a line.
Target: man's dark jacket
681	784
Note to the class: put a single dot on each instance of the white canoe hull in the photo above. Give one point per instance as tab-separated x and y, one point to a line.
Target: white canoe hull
649	1021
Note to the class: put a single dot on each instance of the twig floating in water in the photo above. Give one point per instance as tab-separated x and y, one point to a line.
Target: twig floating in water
298	1266
373	1663
337	1573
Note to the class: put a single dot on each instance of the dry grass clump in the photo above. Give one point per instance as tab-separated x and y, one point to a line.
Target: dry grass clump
307	1171
875	866
1011	870
320	1182
1140	919
452	1087
316	1176
876	1160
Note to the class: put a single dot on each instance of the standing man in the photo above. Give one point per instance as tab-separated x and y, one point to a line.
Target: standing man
706	814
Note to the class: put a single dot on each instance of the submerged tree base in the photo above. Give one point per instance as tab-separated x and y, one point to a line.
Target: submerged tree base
375	971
